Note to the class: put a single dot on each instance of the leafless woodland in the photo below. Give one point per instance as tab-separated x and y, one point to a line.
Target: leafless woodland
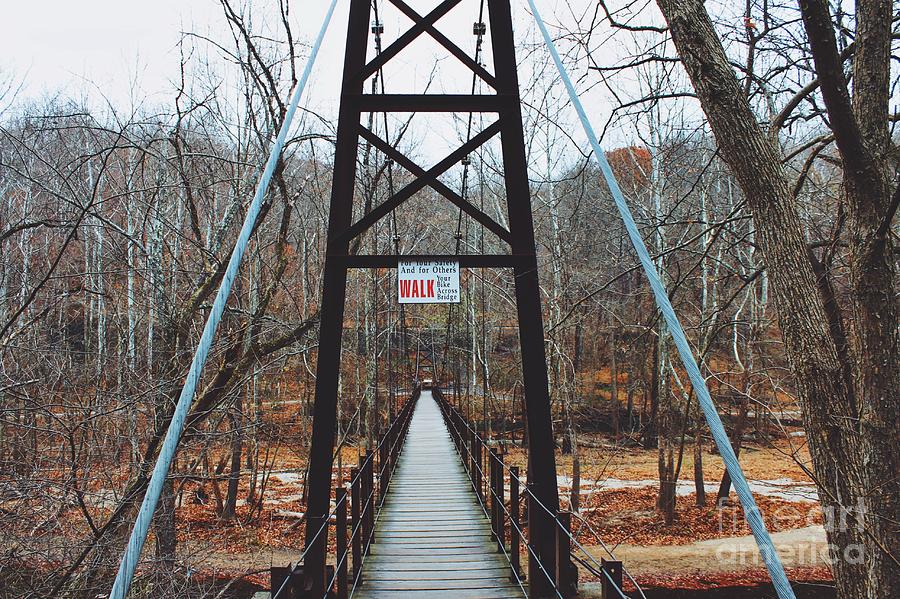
760	163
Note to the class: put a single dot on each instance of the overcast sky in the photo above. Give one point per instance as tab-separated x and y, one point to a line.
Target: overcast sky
126	49
69	46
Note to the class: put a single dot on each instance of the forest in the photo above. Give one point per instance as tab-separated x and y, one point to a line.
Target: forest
756	145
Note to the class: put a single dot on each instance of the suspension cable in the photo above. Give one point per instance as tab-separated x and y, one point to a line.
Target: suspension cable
132	553
377	30
479	31
751	512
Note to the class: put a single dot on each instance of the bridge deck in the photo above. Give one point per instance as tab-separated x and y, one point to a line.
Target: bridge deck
432	537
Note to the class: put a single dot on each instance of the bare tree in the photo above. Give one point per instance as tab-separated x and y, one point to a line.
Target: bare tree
847	376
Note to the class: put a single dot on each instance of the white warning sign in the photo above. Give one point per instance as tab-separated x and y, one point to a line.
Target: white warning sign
428	282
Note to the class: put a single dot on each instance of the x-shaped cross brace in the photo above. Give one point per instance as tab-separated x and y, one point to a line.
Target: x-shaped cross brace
428	178
422	25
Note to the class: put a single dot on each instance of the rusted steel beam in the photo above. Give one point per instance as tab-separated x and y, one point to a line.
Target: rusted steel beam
340	533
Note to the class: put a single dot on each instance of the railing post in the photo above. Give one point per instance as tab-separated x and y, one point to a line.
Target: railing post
501	499
473	460
394	436
340	533
363	504
369	501
364	493
451	420
566	573
479	467
515	524
383	468
321	526
356	533
484	458
396	441
538	579
610	584
492	472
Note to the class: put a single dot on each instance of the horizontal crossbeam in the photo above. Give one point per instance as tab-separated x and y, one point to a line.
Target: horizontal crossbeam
465	261
419	27
429	102
463	204
442	40
428	178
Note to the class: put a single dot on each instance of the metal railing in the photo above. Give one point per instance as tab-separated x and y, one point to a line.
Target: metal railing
365	494
488	473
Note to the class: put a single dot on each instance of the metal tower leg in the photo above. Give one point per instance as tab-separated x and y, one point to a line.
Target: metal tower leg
520	237
331	322
542	467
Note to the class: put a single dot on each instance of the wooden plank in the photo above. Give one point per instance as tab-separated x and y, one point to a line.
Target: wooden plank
461	562
432	536
409	530
446	519
501	593
434	579
399	569
434	585
424	550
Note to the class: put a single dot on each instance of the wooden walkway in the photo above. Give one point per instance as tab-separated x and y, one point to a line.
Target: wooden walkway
432	537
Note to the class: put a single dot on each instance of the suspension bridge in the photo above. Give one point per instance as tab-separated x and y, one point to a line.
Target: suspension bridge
434	535
434	510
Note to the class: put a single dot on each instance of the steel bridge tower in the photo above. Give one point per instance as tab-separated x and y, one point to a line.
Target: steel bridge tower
342	230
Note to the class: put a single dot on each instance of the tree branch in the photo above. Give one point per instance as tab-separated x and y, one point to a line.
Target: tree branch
858	161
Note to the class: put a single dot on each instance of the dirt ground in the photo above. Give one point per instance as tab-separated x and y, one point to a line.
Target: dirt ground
618	486
703	564
798	548
704	545
782	459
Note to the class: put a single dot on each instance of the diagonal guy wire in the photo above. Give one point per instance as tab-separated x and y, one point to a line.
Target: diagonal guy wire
751	511
142	524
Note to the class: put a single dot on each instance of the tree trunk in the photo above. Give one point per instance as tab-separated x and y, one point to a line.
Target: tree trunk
614	381
665	418
665	499
737	436
847	392
576	482
253	449
164	527
699	487
237	446
650	432
629	407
